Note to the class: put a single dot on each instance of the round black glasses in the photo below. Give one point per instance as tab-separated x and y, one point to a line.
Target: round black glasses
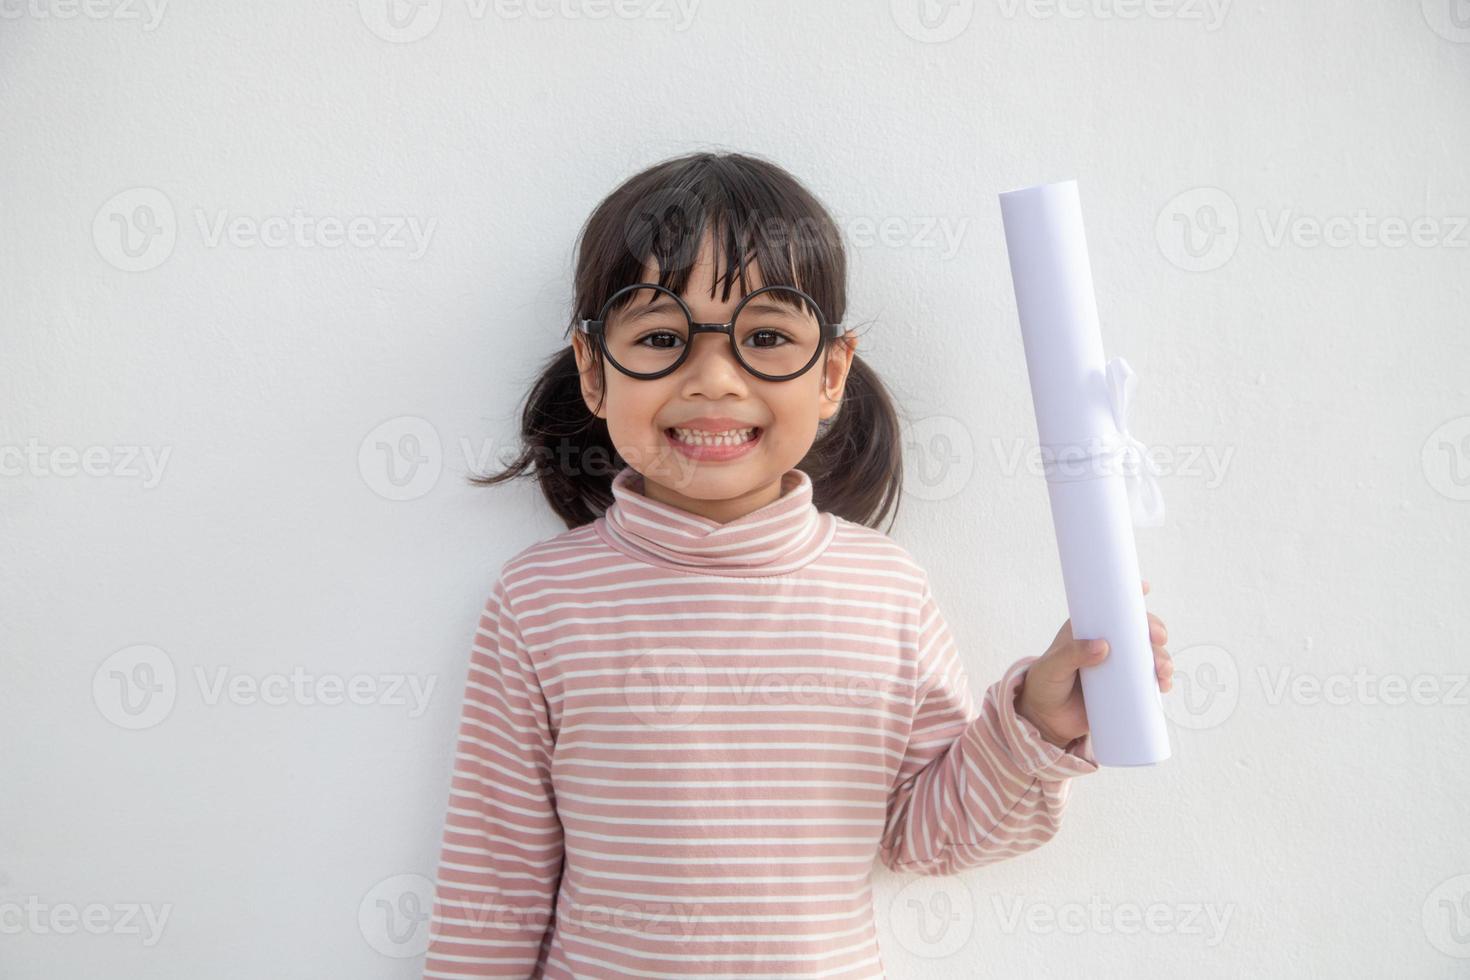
776	333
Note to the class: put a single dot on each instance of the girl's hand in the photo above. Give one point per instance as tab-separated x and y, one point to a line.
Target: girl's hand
1051	693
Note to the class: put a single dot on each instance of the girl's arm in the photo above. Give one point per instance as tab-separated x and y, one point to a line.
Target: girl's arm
974	786
501	860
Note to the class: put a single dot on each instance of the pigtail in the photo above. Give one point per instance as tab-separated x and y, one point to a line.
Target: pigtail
856	461
564	446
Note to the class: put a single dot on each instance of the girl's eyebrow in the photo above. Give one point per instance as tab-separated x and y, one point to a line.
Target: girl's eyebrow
759	306
658	304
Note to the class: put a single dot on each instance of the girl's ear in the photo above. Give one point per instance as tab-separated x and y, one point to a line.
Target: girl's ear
835	366
588	375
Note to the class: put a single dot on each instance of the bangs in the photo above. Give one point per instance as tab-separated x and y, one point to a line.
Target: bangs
757	216
674	231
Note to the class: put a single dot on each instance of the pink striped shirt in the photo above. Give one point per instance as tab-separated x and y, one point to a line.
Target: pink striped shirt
684	743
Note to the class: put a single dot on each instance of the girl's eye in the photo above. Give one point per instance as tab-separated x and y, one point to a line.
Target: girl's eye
663	335
767	339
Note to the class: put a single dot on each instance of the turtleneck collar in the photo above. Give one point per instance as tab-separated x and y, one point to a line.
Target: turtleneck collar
776	539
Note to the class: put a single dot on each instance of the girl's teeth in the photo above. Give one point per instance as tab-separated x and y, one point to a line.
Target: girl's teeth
732	437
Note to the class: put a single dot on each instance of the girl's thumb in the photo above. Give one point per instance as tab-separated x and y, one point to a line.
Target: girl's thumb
1090	651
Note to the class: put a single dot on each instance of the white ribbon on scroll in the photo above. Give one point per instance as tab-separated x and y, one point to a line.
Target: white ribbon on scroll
1124	454
1100	479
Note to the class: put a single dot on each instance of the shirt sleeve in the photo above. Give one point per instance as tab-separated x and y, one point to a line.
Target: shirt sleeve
501	860
974	786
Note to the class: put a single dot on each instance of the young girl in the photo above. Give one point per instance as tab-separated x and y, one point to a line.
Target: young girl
694	719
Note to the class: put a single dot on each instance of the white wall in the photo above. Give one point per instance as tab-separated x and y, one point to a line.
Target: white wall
1320	532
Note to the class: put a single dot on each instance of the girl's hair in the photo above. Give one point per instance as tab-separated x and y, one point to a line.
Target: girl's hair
753	209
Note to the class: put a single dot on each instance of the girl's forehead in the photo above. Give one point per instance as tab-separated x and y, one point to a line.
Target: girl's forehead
706	283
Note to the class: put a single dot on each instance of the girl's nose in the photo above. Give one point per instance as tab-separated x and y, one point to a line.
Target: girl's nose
711	363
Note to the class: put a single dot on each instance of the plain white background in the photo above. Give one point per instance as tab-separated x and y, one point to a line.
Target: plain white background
274	277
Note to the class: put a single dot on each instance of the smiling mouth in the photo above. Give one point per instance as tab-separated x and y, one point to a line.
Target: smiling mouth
706	437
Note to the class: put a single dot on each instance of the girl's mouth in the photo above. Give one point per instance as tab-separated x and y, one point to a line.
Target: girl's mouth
710	446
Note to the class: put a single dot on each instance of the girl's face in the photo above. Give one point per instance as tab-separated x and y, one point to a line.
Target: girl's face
712	393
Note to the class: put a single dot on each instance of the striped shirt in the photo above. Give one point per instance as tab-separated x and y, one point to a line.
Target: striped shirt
684	743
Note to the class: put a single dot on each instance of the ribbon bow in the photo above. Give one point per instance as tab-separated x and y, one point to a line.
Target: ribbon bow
1140	472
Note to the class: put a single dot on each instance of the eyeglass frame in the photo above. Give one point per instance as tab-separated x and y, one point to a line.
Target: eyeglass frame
598	328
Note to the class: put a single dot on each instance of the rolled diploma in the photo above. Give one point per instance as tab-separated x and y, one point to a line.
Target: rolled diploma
1094	525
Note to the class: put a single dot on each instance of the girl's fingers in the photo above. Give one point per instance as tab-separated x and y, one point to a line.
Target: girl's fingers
1157	631
1145	586
1163	668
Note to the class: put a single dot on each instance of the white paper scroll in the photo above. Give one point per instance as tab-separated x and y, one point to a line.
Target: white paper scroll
1099	477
